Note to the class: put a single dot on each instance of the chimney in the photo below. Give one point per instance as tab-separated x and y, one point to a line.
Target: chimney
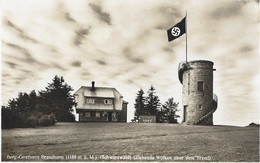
93	86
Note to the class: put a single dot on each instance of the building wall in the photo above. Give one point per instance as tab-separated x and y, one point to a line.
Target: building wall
99	104
109	116
196	103
123	115
118	100
79	98
115	111
105	116
147	119
92	118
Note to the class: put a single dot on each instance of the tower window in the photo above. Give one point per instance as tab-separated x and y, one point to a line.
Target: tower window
200	107
200	86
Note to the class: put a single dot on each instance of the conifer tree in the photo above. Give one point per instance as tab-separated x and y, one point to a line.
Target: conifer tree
140	103
170	110
58	100
152	102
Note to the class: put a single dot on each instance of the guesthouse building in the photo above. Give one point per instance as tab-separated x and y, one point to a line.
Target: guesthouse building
100	104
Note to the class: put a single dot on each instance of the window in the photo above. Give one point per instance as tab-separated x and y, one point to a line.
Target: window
97	114
107	101
200	107
114	115
90	101
87	114
200	86
92	114
104	113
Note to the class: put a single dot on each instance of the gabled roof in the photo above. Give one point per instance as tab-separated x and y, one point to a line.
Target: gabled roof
99	92
104	92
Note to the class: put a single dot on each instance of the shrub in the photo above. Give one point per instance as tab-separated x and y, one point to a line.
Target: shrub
53	119
6	118
44	120
70	117
14	119
18	120
31	122
47	120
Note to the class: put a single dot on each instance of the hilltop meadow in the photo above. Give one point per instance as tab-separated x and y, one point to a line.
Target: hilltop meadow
131	142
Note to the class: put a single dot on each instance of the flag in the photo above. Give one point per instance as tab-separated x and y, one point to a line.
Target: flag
177	30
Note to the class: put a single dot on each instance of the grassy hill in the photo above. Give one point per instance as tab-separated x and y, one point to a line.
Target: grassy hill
131	142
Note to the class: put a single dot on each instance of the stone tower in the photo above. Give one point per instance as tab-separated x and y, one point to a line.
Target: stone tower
199	102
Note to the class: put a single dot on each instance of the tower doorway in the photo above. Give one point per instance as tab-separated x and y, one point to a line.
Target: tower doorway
185	113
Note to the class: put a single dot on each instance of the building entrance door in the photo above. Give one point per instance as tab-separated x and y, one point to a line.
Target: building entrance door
109	116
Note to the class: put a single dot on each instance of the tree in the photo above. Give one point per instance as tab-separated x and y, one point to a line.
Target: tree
31	110
22	102
12	104
33	99
170	110
152	101
58	100
140	103
6	117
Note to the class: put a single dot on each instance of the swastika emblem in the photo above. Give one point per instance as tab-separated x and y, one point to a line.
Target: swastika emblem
175	31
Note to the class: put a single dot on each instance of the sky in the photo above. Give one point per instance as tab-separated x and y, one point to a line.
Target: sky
123	44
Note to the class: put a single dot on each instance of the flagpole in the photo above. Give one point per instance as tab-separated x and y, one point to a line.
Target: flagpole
186	37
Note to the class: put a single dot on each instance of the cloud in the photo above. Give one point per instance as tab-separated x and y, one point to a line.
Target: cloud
127	39
57	66
28	57
80	34
17	47
101	15
170	14
52	49
85	73
246	49
5	75
226	10
101	62
19	31
68	17
129	55
10	24
167	49
11	64
76	63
